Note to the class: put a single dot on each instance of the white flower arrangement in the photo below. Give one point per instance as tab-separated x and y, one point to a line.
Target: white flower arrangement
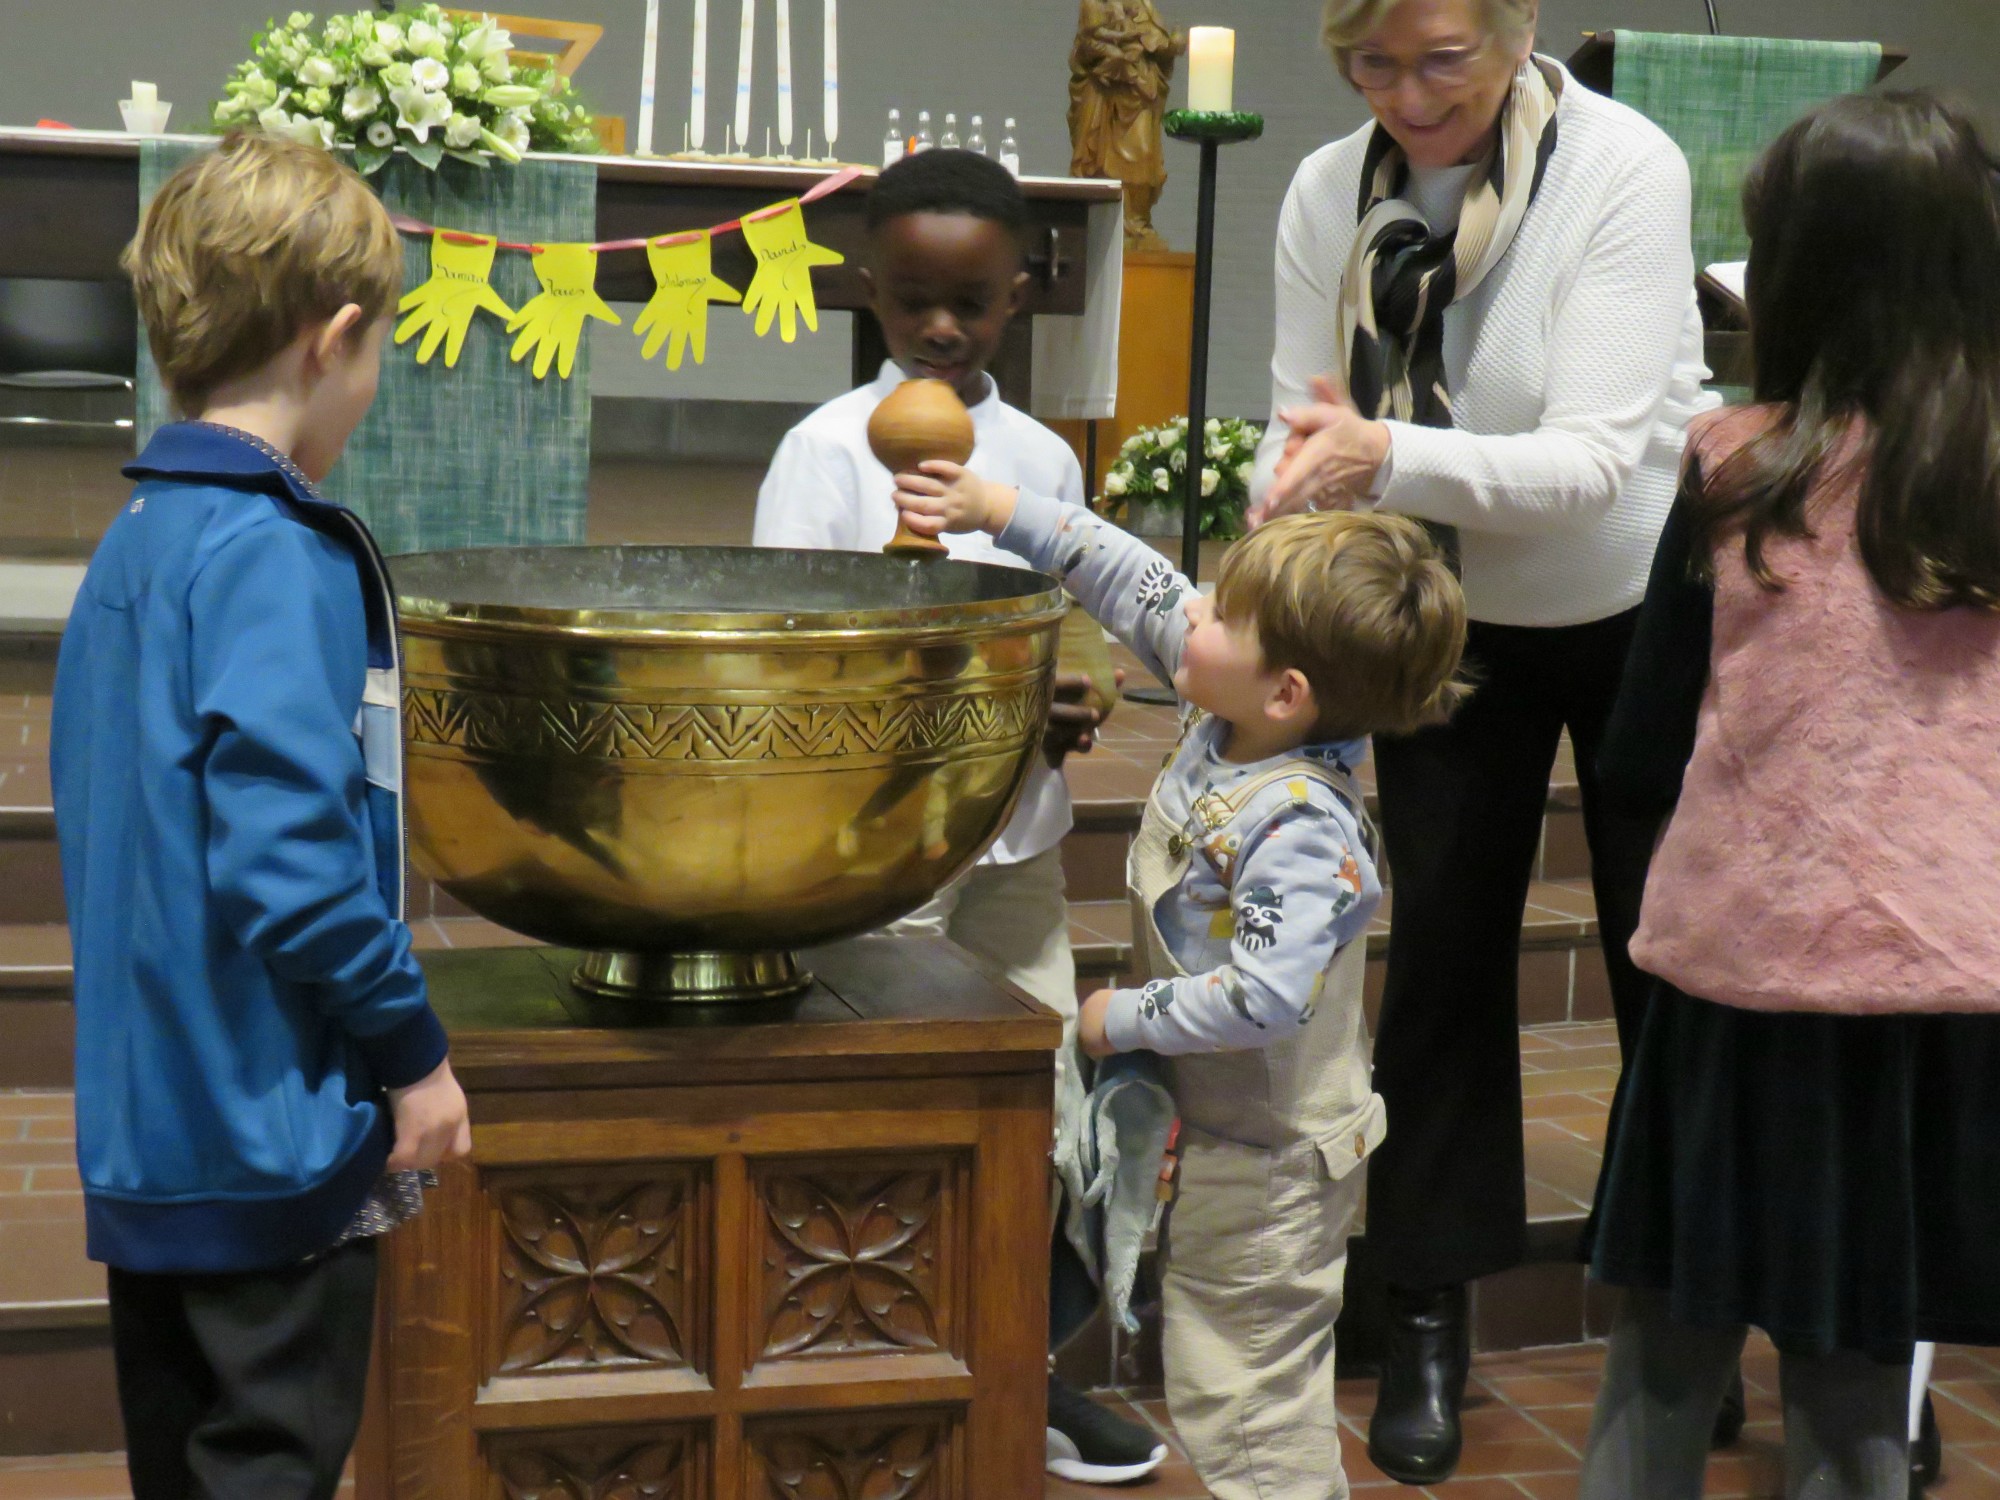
1150	468
420	80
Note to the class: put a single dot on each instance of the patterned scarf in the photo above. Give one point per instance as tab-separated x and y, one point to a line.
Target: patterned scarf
1400	277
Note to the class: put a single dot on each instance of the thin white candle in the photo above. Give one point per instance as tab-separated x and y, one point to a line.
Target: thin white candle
1211	69
746	51
648	76
785	74
832	66
145	93
698	77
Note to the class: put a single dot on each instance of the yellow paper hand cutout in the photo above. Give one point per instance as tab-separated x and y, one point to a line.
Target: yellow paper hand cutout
785	258
679	308
552	323
442	308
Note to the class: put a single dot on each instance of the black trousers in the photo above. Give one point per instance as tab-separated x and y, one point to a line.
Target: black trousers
1462	809
243	1387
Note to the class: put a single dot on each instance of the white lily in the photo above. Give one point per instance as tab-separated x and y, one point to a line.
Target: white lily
512	127
511	96
417	111
484	41
360	102
430	75
500	147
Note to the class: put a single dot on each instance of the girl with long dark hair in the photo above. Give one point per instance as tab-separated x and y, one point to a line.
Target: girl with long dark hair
1808	1137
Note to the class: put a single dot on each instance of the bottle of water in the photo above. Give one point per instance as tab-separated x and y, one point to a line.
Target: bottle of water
892	143
1010	149
949	140
923	141
976	141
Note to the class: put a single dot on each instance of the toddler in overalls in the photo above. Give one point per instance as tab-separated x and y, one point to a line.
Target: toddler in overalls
1254	880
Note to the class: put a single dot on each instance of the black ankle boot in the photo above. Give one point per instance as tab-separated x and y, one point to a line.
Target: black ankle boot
1730	1419
1926	1453
1414	1435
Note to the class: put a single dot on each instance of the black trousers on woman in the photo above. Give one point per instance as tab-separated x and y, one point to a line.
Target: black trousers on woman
1462	808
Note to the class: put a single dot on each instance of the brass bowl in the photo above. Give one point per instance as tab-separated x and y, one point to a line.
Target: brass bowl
690	761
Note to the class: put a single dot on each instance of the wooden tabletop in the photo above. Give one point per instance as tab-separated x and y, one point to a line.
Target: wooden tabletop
878	1006
69	202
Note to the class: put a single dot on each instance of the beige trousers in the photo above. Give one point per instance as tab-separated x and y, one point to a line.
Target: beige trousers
1256	1259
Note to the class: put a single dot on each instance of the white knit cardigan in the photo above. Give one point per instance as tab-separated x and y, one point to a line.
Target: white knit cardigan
1574	368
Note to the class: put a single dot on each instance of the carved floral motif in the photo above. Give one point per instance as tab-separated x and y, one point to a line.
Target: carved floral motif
850	1261
560	1466
849	1463
594	1273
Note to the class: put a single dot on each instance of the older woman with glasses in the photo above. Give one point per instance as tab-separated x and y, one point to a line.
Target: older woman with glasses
1486	321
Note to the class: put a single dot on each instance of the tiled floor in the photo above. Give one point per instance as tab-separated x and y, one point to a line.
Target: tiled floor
1526	1418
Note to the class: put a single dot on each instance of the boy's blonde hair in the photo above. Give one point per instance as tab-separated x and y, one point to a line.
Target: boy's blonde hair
1364	606
243	248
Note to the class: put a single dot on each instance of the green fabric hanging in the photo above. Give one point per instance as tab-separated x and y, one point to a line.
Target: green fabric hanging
483	455
1723	99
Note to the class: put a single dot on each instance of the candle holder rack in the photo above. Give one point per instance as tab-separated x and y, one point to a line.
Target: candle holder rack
1211	130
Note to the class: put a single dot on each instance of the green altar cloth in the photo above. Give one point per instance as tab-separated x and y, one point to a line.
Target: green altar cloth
1723	99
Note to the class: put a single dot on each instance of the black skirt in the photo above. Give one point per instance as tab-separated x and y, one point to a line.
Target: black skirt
1832	1180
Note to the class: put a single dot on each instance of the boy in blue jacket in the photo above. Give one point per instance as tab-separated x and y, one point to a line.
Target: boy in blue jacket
259	1077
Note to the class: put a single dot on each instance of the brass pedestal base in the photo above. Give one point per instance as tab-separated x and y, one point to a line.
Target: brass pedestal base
690	978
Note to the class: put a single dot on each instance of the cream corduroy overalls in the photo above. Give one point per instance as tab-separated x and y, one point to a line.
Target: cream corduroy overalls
1270	1149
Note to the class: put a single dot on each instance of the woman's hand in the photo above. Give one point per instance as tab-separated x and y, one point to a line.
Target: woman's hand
1331	457
944	496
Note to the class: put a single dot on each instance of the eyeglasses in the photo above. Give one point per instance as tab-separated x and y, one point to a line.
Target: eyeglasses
1448	68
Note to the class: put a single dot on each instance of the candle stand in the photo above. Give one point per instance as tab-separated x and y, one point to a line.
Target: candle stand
1211	130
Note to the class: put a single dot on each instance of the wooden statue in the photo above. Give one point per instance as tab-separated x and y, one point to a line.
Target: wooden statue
1119	69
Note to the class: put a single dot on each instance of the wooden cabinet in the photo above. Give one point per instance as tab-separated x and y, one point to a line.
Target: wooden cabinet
801	1255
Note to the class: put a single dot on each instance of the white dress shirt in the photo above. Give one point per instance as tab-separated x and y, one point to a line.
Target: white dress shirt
826	489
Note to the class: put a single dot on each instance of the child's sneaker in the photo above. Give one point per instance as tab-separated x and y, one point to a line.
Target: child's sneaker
1091	1445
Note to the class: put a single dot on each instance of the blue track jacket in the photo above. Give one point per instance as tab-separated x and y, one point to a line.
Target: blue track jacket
226	751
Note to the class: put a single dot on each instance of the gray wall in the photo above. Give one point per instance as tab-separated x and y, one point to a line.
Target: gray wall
71	59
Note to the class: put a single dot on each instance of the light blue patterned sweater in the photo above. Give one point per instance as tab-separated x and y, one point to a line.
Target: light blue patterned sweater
1270	896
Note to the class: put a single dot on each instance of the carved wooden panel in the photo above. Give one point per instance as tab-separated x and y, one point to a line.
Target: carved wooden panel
874	1456
858	1256
598	1270
654	1465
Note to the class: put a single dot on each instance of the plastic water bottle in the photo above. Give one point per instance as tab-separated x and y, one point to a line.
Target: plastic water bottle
923	141
1010	149
892	143
976	141
949	140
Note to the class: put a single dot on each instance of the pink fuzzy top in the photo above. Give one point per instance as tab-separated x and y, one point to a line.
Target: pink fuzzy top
1837	842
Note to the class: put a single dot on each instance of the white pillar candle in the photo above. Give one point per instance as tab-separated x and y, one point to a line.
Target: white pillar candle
698	78
746	51
1211	69
648	76
145	93
832	64
785	74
